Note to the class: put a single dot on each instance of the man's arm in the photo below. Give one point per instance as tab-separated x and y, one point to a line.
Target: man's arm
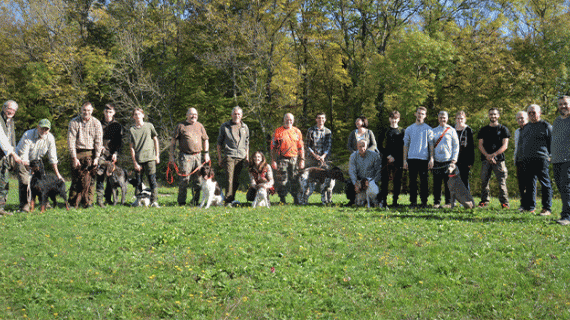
405	163
156	149
57	171
134	158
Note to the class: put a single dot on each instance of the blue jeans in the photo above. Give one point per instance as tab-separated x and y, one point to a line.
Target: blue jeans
537	169
562	178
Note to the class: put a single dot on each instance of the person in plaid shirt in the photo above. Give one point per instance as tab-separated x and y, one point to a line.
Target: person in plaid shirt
287	157
85	141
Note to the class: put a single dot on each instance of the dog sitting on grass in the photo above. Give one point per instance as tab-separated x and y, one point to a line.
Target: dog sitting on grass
116	178
457	189
45	187
366	192
211	191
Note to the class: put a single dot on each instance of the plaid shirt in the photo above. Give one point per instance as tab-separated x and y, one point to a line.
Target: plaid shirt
319	141
84	135
33	147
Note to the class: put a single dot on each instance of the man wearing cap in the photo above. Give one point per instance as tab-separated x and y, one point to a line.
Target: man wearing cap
34	145
7	142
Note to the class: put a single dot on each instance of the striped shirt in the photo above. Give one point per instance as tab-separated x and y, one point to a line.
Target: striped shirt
32	146
84	135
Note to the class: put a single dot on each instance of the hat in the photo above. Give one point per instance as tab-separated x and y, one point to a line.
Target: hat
44	123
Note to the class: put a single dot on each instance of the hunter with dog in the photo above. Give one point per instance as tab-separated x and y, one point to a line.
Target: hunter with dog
7	142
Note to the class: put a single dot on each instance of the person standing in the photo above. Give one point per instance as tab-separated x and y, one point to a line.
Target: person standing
145	154
363	164
318	148
446	150
522	120
34	145
392	161
192	143
85	141
234	140
7	142
533	152
287	157
361	133
112	144
561	156
418	156
466	156
493	142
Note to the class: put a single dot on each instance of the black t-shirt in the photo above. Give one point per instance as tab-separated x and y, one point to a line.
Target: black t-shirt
394	144
493	139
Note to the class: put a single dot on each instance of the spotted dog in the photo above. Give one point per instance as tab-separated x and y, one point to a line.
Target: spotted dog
211	191
311	177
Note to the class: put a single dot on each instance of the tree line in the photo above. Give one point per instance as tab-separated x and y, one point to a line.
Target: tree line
342	57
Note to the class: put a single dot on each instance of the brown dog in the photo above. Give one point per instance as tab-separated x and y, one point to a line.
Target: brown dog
87	172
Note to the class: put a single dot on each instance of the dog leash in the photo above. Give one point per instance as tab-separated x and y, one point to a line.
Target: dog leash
173	164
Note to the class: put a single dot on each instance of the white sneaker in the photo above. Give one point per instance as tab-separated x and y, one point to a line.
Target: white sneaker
154	205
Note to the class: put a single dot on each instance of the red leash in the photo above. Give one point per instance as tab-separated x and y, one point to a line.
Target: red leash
173	164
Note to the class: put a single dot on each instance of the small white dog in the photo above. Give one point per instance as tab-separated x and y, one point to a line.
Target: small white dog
261	199
143	199
211	191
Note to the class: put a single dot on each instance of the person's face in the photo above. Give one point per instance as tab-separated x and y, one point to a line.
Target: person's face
460	120
257	158
10	111
321	120
358	123
563	105
420	115
43	131
522	119
361	149
493	116
442	119
288	121
86	112
109	114
138	116
533	114
394	121
236	116
192	116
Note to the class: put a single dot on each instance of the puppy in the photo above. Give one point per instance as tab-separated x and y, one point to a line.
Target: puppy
366	192
326	178
457	189
211	191
143	198
45	186
116	178
261	199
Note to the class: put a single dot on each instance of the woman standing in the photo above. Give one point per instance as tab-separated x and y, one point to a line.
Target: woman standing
361	133
466	147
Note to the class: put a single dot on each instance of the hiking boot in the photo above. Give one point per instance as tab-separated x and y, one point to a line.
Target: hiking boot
483	204
545	212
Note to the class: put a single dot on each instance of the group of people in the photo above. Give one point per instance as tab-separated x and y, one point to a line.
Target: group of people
418	149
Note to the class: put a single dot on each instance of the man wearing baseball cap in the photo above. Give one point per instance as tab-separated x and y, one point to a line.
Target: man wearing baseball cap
34	145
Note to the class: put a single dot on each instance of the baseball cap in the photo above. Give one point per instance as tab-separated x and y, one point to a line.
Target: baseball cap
44	123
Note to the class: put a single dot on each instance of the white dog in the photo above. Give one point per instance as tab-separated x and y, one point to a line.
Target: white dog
367	192
143	199
211	191
261	199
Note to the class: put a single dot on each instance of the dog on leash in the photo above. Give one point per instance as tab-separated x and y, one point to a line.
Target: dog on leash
116	178
261	199
366	192
45	187
211	191
457	189
87	172
143	198
309	178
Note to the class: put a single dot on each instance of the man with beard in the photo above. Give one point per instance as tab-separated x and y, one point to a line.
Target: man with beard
561	156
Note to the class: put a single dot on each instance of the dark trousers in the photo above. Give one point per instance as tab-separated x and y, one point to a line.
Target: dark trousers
536	169
526	195
233	168
562	178
149	168
464	174
418	167
440	174
390	169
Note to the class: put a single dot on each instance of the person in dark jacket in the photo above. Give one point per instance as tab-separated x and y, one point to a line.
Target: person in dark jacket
466	147
112	145
392	159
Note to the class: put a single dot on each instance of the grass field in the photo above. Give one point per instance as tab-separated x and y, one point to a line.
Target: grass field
288	262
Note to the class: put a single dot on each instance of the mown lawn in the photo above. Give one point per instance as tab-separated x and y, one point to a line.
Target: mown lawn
287	262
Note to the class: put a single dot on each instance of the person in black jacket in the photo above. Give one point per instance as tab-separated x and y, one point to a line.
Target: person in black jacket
112	144
392	158
466	147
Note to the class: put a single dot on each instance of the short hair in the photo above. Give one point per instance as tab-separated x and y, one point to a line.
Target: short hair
364	121
139	110
10	103
494	109
461	113
523	113
109	106
236	108
288	113
320	114
421	108
394	114
563	97
86	103
536	106
443	113
361	142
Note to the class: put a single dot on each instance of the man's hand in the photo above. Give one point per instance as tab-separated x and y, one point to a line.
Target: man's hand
273	165
138	167
390	159
114	158
157	159
301	164
430	164
405	166
206	157
60	177
75	163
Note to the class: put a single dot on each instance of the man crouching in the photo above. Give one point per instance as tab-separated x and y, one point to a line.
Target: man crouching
363	164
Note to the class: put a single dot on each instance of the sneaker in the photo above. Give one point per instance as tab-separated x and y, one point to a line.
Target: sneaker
483	204
532	211
154	205
563	222
25	208
545	212
505	206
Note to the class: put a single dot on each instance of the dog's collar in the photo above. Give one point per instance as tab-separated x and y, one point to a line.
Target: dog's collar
452	175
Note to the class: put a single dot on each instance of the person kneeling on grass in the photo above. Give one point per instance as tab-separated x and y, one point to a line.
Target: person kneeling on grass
363	164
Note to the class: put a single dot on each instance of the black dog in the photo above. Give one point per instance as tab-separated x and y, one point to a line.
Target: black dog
45	186
116	178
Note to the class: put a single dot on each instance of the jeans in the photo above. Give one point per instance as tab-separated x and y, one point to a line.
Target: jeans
526	195
537	169
418	167
390	169
562	178
500	170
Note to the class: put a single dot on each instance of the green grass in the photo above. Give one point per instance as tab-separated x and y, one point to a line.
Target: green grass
287	262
